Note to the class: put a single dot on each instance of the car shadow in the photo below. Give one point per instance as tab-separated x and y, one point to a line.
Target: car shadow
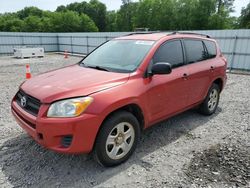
25	163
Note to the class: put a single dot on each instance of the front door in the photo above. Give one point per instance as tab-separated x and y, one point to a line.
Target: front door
168	94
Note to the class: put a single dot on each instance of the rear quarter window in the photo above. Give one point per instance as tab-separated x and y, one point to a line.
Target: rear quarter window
211	49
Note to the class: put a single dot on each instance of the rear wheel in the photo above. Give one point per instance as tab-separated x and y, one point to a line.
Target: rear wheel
209	105
117	139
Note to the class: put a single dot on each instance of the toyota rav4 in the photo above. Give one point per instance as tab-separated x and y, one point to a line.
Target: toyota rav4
104	102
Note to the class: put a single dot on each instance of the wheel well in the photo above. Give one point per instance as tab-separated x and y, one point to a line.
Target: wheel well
135	110
219	82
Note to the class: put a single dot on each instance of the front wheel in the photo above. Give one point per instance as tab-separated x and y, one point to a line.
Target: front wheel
117	139
209	105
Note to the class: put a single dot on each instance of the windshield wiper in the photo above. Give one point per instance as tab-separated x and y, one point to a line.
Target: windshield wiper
97	67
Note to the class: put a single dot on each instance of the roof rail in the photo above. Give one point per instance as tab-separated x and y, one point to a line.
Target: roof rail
189	33
138	33
141	33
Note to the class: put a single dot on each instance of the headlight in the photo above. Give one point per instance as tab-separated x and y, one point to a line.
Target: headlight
69	107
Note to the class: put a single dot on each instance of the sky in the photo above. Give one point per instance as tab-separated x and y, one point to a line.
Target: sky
15	5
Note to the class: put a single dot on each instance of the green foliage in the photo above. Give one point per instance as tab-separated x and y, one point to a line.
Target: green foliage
32	19
70	21
29	11
10	22
183	14
244	20
96	10
152	14
111	21
125	16
32	24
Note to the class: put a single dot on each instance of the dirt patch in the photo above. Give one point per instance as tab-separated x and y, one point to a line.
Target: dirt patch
226	163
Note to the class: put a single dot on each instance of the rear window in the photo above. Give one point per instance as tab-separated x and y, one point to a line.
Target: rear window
211	49
195	50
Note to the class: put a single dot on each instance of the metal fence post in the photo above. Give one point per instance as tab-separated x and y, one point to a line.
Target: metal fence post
71	44
233	53
22	40
87	40
40	40
57	41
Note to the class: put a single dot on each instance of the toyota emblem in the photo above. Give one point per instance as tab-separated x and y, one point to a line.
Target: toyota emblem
23	101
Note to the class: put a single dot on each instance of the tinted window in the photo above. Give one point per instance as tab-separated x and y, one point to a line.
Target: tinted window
211	49
170	52
195	51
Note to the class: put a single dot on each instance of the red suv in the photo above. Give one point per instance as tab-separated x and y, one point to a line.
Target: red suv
124	86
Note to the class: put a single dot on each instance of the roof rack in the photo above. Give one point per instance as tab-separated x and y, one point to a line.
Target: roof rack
141	33
189	33
138	33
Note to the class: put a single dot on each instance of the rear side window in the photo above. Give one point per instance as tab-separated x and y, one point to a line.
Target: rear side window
211	49
195	50
170	52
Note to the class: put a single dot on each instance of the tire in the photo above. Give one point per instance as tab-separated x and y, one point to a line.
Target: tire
122	131
209	105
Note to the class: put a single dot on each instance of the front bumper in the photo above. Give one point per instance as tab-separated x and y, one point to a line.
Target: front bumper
49	132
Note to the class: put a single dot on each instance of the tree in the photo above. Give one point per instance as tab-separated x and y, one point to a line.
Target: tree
111	21
126	16
14	25
86	24
70	21
244	19
221	20
152	14
203	13
224	5
61	8
32	24
29	11
10	22
96	10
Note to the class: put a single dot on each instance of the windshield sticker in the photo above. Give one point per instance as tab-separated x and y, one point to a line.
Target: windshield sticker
143	42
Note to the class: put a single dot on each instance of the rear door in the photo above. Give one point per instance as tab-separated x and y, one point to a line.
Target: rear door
200	67
167	94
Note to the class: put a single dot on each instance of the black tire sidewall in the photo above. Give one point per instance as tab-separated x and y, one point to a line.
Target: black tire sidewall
108	125
204	106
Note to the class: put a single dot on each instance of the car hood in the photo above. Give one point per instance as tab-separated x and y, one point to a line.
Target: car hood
72	81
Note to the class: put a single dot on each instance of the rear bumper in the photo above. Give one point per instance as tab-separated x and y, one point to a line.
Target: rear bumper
49	132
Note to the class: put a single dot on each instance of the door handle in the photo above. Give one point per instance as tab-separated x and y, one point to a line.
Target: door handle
185	76
212	68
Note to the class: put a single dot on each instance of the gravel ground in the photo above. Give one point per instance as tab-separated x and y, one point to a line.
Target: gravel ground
188	150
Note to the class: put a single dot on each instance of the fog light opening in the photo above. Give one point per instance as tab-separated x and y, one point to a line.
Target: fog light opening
66	141
40	136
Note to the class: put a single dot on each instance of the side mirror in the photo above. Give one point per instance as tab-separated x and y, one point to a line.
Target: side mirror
161	68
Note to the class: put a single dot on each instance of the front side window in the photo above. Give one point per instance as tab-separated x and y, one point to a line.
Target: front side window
119	55
195	50
170	52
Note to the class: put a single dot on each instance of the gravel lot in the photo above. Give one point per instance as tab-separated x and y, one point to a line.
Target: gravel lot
189	150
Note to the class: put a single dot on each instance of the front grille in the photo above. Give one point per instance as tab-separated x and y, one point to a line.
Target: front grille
66	141
32	104
25	120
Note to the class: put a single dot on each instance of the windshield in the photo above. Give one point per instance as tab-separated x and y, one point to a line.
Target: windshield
118	55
